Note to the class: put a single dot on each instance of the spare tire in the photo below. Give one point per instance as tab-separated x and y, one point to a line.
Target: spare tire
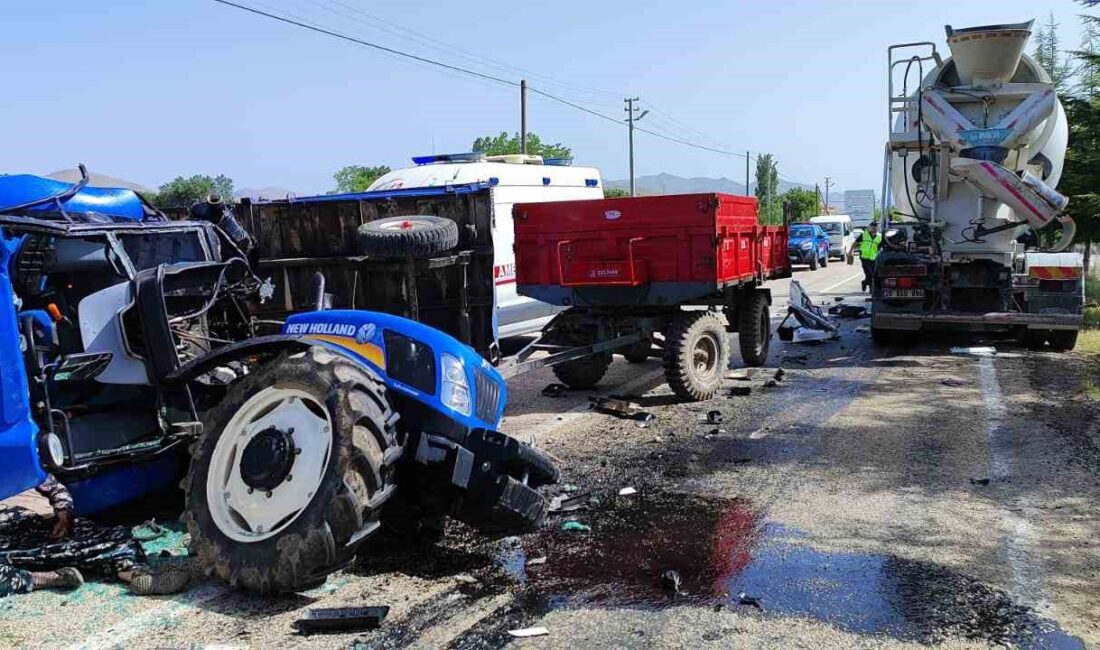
412	236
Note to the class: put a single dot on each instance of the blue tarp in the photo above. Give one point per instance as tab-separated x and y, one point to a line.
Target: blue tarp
115	203
439	190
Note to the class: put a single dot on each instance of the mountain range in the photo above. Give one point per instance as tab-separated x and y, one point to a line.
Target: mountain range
671	184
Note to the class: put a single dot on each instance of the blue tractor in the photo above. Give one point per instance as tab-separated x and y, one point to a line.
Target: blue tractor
129	361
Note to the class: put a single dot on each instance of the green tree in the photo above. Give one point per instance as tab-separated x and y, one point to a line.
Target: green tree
767	189
1081	172
614	193
184	192
357	178
509	144
1048	54
1088	72
803	203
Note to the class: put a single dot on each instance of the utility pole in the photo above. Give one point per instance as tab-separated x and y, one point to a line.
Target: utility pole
817	191
828	183
523	116
747	191
631	117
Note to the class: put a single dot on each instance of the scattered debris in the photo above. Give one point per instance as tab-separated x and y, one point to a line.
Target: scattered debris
627	491
466	579
745	375
670	581
555	390
536	561
838	298
751	601
979	481
863	329
850	311
563	503
813	325
740	391
977	351
954	381
779	372
342	619
576	527
529	632
771	383
838	359
621	407
714	417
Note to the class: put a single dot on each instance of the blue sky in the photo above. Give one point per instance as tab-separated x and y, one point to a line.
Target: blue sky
150	90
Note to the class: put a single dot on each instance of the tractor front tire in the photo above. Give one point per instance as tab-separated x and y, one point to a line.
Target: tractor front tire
696	354
291	472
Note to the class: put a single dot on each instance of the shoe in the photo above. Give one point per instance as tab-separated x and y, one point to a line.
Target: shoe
166	577
69	578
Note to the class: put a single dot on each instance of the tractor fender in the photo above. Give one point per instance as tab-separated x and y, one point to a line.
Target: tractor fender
270	344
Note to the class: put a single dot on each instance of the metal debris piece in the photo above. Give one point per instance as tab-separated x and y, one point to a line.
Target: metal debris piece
536	561
342	619
563	503
771	383
779	372
576	527
954	381
813	325
977	351
751	601
670	581
714	417
618	406
740	391
555	390
627	491
529	632
979	481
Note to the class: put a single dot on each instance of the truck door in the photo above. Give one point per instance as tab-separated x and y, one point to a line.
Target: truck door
21	469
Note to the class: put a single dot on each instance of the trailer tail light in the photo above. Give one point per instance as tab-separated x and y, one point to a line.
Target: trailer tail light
899	283
898	270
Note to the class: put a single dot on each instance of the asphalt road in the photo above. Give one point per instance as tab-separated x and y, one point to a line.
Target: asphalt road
873	498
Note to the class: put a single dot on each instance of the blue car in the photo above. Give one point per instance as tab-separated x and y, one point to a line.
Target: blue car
129	361
808	244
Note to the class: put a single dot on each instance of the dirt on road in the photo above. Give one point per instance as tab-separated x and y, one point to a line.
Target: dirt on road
871	498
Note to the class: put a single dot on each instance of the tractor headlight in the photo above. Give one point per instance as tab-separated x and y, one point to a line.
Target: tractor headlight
806	245
456	389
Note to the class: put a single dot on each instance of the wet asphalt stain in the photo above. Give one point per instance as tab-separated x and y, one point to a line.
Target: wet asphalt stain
727	556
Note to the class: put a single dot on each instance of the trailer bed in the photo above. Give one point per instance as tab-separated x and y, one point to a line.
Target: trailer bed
645	251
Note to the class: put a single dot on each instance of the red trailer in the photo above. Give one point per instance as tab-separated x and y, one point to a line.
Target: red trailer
629	269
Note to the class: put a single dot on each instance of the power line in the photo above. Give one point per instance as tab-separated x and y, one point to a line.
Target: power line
383	48
454	68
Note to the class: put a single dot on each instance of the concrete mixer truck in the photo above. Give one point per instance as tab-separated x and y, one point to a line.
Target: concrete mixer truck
974	236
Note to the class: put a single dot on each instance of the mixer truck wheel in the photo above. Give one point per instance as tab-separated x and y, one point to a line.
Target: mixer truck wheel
755	330
415	236
1062	340
696	355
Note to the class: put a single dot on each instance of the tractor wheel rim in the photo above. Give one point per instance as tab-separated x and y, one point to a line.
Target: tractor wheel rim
243	512
705	355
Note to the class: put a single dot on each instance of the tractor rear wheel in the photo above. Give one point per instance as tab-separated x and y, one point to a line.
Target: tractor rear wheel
291	472
696	354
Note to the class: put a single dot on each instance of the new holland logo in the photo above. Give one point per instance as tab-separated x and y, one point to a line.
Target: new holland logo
332	329
365	333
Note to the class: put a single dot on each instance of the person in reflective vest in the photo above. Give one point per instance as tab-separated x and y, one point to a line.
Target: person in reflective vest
868	242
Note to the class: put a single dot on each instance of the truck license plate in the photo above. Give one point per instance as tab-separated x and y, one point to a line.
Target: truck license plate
903	293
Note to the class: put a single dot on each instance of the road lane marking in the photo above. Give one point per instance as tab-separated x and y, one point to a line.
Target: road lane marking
841	283
1019	538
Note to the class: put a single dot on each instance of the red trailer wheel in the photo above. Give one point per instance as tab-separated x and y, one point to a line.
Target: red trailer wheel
696	354
755	330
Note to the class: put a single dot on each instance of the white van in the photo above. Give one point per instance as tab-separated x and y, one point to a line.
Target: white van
839	229
512	179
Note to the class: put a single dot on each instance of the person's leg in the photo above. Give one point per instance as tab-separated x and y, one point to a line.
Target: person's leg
868	271
18	581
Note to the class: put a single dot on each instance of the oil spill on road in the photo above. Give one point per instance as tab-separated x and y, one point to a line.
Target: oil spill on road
723	547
